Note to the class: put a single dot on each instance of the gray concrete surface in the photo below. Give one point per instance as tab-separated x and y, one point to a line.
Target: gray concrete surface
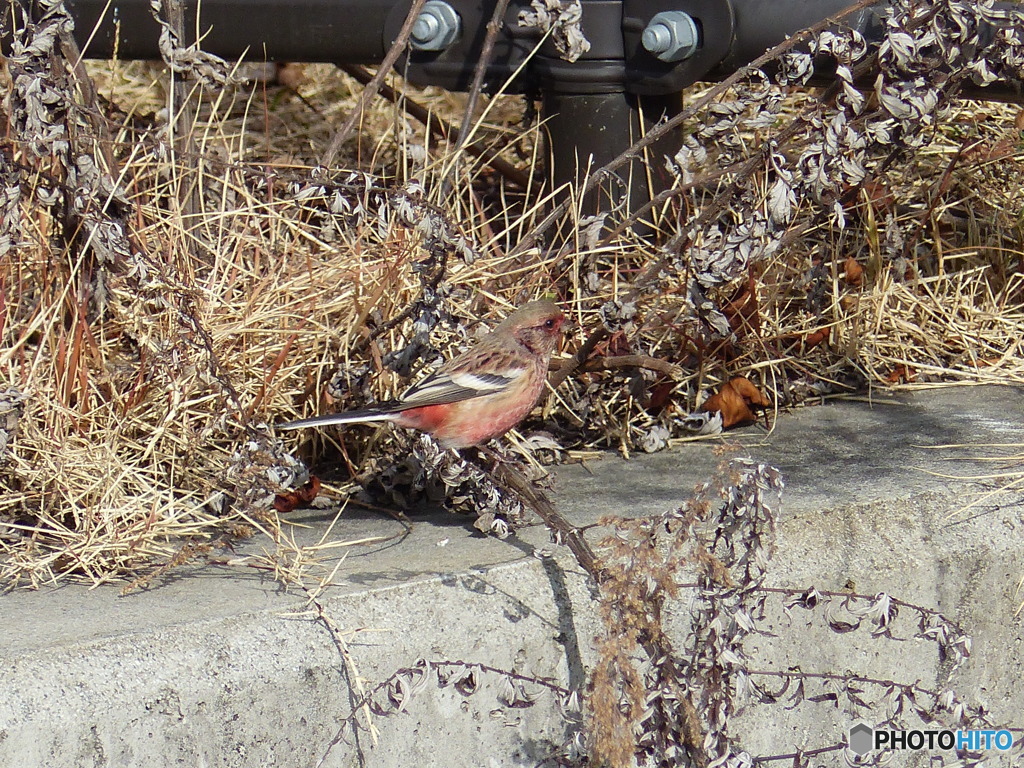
221	667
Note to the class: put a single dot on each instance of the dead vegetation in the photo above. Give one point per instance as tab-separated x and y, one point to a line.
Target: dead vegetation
177	272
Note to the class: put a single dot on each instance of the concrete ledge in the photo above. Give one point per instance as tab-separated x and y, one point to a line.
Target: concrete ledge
214	668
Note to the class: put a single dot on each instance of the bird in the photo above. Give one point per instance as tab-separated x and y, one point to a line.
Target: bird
478	395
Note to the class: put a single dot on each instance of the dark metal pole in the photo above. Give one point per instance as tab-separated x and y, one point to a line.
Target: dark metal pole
349	31
586	131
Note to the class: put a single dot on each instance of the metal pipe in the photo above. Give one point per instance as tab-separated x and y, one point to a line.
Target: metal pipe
763	24
587	131
350	31
731	33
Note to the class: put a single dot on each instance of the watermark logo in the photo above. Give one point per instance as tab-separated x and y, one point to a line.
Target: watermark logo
862	738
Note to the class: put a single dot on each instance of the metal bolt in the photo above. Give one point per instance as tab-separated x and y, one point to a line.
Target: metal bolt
437	27
671	36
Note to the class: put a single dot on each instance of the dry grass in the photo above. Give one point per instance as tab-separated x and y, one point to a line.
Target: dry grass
253	282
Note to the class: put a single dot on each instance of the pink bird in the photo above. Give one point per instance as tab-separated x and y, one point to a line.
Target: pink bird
480	394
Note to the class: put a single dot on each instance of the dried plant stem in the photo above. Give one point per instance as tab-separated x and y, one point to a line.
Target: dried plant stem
426	667
615	362
182	118
430	283
439	127
88	89
797	756
561	529
656	644
355	679
585	351
742	172
935	197
493	27
370	91
844	676
663	197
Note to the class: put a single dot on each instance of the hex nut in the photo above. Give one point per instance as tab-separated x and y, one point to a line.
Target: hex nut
671	36
436	28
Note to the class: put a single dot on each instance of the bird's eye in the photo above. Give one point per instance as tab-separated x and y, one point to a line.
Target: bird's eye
549	323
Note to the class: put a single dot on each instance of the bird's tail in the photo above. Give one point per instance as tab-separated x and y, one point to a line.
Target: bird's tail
362	416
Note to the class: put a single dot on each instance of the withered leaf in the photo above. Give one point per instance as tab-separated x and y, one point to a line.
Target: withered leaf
467	683
901	374
742	310
735	400
806	341
853	273
286	502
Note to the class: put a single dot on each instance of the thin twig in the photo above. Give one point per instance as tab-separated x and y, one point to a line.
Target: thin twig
439	127
370	91
428	667
796	756
586	350
935	195
88	89
665	195
646	362
182	120
493	27
355	680
430	283
562	530
714	209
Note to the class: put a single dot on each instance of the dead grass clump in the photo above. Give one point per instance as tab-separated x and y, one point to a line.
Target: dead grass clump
191	292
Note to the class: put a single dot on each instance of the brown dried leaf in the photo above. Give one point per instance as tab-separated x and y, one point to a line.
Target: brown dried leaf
660	396
901	374
853	273
806	341
879	196
286	502
742	310
728	402
751	394
735	400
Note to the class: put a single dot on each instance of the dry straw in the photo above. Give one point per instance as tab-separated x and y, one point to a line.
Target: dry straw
208	280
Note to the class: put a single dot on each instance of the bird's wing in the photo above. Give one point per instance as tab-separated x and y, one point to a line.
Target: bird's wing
442	386
451	386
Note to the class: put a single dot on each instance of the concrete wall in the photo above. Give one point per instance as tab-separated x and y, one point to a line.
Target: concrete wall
222	667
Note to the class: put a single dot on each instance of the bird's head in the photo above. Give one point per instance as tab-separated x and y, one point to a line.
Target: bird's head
537	326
